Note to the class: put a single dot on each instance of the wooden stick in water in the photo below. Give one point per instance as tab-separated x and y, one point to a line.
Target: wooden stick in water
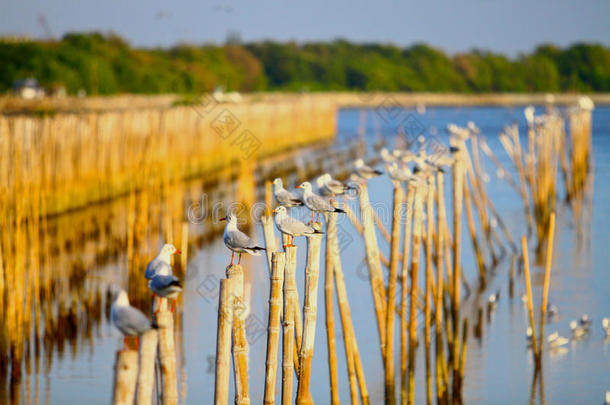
288	341
428	285
381	226
528	289
331	235
269	235
240	342
473	237
273	327
403	293
310	309
547	278
146	374
391	304
125	375
167	356
372	256
417	232
223	342
438	312
458	200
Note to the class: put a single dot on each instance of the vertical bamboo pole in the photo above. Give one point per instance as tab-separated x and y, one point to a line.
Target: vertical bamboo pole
184	246
310	308
547	278
473	237
223	343
125	375
390	390
288	334
417	232
438	312
429	288
291	254
331	234
269	235
240	342
528	289
167	357
146	374
458	199
374	264
273	328
403	293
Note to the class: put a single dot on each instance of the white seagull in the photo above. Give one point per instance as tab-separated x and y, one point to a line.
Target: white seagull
329	187
364	171
127	319
283	196
161	263
237	241
399	174
314	202
292	226
386	156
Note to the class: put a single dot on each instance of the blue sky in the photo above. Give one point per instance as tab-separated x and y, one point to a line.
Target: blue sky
503	26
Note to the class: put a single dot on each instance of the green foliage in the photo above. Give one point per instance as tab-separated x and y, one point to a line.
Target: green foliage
106	64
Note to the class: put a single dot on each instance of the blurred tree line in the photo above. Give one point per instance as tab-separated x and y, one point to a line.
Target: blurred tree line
107	64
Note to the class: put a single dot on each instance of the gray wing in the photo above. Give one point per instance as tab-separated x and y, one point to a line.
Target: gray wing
293	226
155	267
317	203
336	186
130	321
285	197
164	285
238	239
368	171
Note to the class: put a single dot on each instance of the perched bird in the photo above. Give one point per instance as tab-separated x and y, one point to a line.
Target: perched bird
555	341
578	331
606	326
161	263
386	156
127	319
291	226
585	321
165	286
314	202
283	196
237	241
364	171
397	173
329	187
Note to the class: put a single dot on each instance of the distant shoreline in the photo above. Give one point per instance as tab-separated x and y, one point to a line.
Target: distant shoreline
13	105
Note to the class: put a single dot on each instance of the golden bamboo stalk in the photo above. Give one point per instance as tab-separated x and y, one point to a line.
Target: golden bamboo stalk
403	293
146	373
223	343
184	246
240	342
473	237
269	235
167	356
125	375
547	277
458	199
417	232
438	311
381	226
372	256
331	235
273	328
528	289
310	308
391	304
429	287
288	341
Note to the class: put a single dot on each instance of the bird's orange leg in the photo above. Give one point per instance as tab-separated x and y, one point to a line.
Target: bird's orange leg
174	304
232	256
239	261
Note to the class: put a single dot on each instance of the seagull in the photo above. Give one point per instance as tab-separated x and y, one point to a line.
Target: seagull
292	226
329	187
165	286
386	156
364	171
578	331
399	174
606	325
585	322
283	196
555	341
314	202
127	319
552	311
161	263
237	241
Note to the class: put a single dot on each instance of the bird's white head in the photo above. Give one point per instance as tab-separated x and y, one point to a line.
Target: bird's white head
306	186
230	218
358	163
277	183
121	299
169	249
573	324
280	210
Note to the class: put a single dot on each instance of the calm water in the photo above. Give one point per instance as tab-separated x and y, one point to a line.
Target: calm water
498	369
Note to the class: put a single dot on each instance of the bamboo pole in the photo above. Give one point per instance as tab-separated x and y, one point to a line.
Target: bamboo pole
547	278
223	343
273	328
403	293
381	227
372	256
269	235
125	375
167	357
458	199
331	235
310	308
429	282
417	232
473	237
291	254
438	311
528	289
146	374
240	342
288	341
184	246
390	390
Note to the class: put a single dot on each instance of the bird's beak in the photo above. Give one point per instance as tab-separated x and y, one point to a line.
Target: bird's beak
299	187
223	218
177	252
274	211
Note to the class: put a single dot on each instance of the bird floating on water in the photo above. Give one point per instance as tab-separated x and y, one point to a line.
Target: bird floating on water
130	321
578	331
237	241
555	341
292	226
283	196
